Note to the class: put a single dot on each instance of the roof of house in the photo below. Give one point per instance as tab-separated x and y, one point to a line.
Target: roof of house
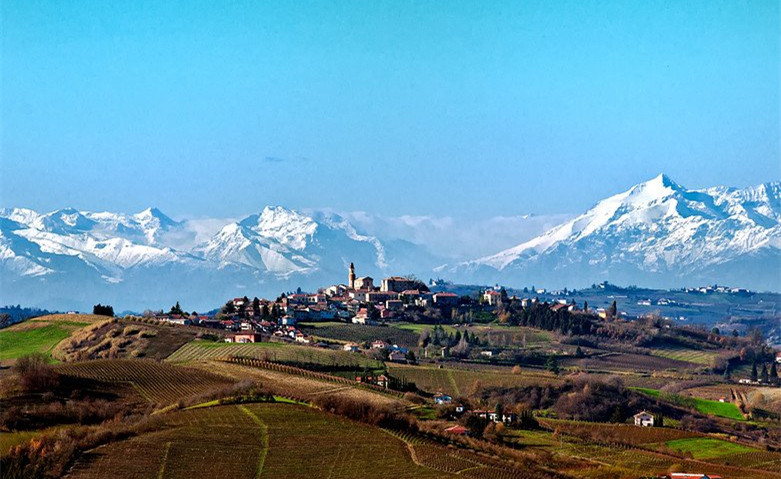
643	413
456	430
445	294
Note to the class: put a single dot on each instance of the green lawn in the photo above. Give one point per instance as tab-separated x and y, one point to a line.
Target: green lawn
705	406
17	343
420	327
707	448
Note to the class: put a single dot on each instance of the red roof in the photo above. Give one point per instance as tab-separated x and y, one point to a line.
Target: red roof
460	430
450	295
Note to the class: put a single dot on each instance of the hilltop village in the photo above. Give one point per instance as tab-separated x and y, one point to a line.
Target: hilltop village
407	302
360	302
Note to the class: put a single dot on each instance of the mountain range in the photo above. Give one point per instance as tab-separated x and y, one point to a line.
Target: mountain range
657	233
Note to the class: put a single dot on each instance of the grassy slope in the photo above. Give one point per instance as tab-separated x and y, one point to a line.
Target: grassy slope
707	448
41	335
705	406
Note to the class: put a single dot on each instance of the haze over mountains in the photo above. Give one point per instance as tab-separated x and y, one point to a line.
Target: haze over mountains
657	233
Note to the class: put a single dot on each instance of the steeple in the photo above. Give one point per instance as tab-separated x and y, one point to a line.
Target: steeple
351	276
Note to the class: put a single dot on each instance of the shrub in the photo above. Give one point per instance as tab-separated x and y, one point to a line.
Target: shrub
35	373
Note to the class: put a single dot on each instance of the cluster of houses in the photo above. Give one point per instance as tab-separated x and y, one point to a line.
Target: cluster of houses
359	301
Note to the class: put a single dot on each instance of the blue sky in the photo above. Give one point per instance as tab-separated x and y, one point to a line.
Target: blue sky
442	108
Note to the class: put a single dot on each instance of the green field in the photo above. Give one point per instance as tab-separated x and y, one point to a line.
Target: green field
707	448
418	328
277	352
17	343
705	406
694	356
42	334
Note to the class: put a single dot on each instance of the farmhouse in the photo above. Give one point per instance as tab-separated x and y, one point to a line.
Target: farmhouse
492	297
397	357
496	417
456	430
244	338
351	347
644	419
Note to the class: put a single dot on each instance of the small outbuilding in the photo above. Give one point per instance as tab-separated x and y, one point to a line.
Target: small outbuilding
644	419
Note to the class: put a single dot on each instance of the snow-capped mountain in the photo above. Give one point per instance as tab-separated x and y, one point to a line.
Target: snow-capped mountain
657	233
285	242
68	256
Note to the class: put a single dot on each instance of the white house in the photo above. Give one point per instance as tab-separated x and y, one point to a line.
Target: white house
644	419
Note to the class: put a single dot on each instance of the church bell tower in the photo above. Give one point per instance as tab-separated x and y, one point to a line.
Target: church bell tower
351	277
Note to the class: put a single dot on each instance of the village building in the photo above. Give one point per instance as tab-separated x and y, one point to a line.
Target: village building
446	299
644	419
244	338
496	417
397	357
492	298
397	284
350	347
364	283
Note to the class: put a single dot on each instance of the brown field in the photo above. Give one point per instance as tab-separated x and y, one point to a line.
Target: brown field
627	362
460	382
157	382
256	440
297	387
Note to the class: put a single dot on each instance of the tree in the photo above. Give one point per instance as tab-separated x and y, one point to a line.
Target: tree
462	348
755	336
754	371
103	310
425	337
552	364
411	357
618	416
765	377
229	308
715	331
176	309
579	352
773	373
659	420
585	306
735	333
613	311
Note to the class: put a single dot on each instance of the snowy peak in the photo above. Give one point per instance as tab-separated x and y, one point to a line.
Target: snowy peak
286	227
657	227
284	241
